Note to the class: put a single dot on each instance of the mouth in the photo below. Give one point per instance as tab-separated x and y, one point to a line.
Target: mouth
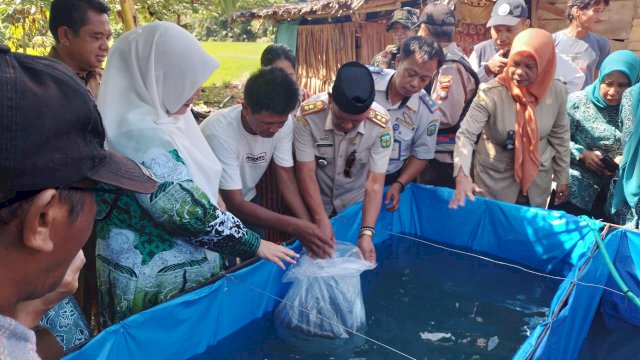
408	92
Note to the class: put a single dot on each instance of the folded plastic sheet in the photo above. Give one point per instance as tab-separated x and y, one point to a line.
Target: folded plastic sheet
545	241
574	306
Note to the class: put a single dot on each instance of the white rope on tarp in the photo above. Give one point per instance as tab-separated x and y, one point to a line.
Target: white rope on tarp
505	263
318	316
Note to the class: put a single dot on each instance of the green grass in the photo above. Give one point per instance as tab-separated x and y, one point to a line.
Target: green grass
237	60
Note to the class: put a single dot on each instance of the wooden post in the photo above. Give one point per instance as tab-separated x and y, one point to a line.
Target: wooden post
128	11
355	18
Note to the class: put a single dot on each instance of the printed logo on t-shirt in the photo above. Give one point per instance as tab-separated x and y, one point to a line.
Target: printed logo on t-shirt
256	158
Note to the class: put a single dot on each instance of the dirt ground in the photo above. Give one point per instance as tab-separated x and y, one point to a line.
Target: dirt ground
216	97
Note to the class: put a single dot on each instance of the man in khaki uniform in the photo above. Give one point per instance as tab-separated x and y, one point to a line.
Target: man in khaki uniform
342	144
454	89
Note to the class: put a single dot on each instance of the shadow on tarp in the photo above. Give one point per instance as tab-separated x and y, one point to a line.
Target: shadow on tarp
546	241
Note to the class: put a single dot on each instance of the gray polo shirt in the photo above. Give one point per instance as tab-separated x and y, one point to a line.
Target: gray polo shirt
587	53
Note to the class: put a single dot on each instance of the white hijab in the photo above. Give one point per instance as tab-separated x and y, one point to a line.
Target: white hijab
151	72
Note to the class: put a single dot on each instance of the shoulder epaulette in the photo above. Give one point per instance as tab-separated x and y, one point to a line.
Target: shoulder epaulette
428	101
378	118
313	107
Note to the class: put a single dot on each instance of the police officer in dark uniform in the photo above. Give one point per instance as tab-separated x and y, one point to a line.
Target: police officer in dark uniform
454	89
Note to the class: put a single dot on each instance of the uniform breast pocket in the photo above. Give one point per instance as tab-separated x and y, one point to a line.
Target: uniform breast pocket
324	150
403	135
361	162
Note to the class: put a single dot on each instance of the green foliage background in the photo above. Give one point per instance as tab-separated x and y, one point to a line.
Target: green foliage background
237	60
24	24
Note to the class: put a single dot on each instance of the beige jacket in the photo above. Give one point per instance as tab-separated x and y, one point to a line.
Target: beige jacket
492	116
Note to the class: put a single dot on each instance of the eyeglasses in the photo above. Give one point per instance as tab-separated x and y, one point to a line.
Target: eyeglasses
103	211
107	202
348	164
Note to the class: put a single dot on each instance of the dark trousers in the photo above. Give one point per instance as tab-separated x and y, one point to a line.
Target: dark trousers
597	210
392	177
438	173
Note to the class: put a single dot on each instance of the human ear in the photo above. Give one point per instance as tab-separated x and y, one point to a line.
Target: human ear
64	35
246	112
39	219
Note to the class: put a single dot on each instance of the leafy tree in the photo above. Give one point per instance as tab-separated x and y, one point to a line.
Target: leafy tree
24	23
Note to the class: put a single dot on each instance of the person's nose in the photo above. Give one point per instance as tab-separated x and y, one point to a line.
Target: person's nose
104	45
414	83
614	91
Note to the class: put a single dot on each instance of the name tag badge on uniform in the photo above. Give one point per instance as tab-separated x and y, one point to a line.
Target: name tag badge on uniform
321	145
444	84
510	143
395	151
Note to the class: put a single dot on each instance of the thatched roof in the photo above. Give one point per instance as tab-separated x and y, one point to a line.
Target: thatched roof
317	9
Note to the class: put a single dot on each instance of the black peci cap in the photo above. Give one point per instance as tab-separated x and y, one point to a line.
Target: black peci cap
51	133
353	90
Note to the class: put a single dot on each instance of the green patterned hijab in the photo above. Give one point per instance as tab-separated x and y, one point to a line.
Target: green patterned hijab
628	186
624	61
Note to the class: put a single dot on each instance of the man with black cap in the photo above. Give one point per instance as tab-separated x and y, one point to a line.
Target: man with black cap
508	19
403	24
453	89
51	162
342	144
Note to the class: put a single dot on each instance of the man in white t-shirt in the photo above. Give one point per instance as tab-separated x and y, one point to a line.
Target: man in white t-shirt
245	138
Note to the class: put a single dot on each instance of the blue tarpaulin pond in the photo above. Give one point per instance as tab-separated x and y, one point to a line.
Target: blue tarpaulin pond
548	242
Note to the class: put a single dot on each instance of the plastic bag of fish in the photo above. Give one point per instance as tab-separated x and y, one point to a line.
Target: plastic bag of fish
325	298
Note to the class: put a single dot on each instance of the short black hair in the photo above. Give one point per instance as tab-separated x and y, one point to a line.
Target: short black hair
582	5
272	90
73	14
440	33
424	48
275	52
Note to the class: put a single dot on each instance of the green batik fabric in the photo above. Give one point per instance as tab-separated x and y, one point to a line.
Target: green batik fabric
625	215
592	128
152	247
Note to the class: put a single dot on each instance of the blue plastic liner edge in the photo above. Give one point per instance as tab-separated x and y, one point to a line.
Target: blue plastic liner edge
547	241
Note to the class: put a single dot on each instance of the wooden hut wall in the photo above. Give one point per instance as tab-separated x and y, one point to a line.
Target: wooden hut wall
374	39
621	23
321	50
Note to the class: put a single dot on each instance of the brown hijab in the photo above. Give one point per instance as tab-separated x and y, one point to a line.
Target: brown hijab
539	44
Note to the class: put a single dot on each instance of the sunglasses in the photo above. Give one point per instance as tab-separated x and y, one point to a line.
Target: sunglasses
348	164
